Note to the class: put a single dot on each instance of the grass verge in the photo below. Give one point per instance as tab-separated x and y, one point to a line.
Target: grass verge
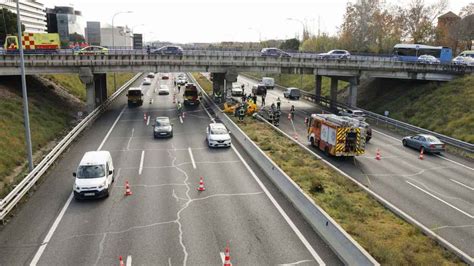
388	238
206	85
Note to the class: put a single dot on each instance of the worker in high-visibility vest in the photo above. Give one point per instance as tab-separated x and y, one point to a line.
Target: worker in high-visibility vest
241	113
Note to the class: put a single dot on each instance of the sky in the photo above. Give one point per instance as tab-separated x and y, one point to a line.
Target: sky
187	21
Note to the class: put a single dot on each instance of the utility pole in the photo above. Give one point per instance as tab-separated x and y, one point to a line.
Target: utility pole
24	91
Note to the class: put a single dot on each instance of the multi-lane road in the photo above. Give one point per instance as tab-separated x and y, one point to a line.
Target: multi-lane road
437	191
166	221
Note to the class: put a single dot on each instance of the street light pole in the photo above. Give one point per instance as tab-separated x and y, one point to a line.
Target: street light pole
24	91
113	41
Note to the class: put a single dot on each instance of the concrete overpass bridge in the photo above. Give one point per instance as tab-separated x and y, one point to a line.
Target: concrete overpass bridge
226	65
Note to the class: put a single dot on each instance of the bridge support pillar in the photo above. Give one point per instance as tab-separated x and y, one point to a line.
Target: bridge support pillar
352	100
100	85
318	87
333	94
218	84
86	76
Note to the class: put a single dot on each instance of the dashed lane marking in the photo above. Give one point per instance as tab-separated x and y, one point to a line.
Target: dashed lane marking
192	157
141	163
462	184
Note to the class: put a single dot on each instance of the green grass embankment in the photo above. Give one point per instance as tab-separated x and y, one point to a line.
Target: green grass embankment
50	115
73	84
206	85
304	82
388	238
446	108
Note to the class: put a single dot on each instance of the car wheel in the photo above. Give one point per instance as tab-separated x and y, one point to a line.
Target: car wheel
404	142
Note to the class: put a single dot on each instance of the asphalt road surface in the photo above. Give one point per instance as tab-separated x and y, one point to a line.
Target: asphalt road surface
437	191
166	221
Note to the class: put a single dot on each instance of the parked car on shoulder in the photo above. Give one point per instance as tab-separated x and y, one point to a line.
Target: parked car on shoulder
217	135
274	52
335	54
425	143
169	50
92	50
162	127
427	59
292	93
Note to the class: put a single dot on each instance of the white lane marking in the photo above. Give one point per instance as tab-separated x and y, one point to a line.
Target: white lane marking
55	225
294	263
141	163
459	183
169	261
282	212
181	119
53	228
210	116
452	226
111	128
148	120
439	156
129	260
192	157
130	140
440	199
222	257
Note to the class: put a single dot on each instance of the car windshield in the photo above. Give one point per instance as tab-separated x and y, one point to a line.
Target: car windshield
90	171
162	123
432	139
190	93
134	93
218	131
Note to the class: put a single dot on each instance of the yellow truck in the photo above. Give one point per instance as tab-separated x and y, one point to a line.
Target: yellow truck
33	43
135	96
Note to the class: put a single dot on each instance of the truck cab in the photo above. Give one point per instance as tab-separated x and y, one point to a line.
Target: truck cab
191	95
135	96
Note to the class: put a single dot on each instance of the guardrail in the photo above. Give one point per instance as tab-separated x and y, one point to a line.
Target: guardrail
465	146
346	248
10	201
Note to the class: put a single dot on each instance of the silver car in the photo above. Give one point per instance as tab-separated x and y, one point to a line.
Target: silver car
425	142
427	59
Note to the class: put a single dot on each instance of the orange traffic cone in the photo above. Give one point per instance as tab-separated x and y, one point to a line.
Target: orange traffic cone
201	185
421	154
128	192
227	256
121	261
378	156
184	114
289	116
144	116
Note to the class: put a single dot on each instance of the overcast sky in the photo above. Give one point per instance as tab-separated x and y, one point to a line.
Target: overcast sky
220	20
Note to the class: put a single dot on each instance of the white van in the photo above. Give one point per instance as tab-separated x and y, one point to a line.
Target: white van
94	175
268	82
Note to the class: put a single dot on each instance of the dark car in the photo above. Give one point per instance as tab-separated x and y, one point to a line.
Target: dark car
259	89
162	127
274	52
292	93
424	142
169	50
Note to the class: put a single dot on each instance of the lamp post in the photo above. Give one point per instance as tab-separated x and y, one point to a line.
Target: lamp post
304	27
24	91
113	40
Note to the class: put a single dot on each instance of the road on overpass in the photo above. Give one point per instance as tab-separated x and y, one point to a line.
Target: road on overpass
166	221
437	191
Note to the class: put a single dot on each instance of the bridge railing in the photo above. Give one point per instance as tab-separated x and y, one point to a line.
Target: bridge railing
10	201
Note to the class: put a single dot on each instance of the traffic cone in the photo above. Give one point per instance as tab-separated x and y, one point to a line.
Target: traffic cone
184	114
421	154
227	256
121	261
144	116
377	156
128	192
289	116
201	185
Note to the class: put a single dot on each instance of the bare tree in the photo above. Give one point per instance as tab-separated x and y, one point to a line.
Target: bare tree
419	19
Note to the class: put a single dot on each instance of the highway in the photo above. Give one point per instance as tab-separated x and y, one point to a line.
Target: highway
437	191
166	221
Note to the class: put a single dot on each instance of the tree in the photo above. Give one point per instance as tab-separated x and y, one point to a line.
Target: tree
467	10
466	32
76	37
8	24
290	44
419	18
321	43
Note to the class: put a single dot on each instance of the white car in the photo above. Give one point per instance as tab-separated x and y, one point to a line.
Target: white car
163	90
150	75
237	90
146	81
218	135
94	175
335	54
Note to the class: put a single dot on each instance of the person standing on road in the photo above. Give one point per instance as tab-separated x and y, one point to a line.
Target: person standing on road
278	103
254	97
292	112
263	99
179	89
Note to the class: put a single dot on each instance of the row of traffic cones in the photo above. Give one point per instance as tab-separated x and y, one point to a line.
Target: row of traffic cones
128	191
378	156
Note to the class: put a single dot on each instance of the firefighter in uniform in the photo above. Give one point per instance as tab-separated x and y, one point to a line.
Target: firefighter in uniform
278	103
241	113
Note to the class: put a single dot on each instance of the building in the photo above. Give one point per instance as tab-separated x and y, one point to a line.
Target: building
447	30
32	14
122	37
65	21
92	32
